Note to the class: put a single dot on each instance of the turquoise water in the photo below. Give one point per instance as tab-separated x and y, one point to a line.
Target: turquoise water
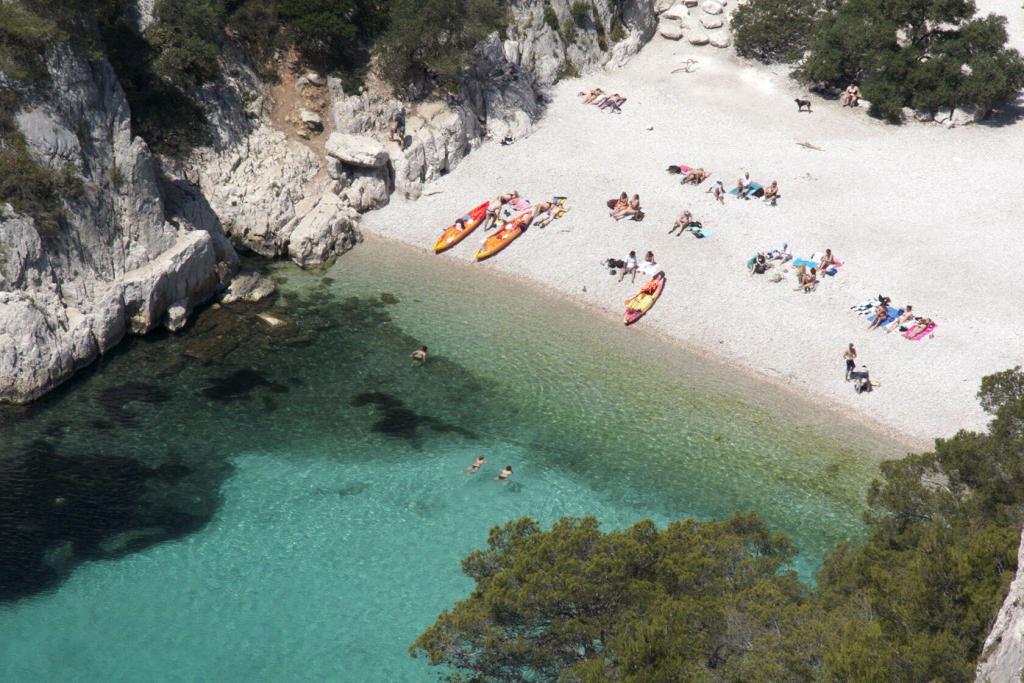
242	502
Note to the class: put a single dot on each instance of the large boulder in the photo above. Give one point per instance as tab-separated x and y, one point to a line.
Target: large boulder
698	37
964	116
327	229
712	22
670	30
367	189
719	39
712	7
356	150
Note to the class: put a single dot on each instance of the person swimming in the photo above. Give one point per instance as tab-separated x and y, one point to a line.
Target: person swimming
504	474
475	467
419	356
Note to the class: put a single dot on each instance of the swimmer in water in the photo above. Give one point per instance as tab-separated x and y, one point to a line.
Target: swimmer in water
472	469
505	473
419	356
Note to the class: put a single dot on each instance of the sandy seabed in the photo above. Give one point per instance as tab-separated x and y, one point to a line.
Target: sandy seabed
927	216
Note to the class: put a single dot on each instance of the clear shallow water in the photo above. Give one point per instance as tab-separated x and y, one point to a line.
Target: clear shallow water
238	503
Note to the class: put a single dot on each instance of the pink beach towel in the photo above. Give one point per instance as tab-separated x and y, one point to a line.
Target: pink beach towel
920	335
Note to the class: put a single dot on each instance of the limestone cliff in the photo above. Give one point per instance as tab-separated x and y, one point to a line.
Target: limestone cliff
1002	658
150	239
117	264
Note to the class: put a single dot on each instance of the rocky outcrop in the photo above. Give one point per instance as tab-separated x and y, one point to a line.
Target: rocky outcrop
147	242
116	264
1002	658
704	23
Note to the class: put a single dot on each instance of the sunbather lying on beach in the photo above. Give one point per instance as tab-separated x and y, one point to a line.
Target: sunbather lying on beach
613	102
808	281
544	213
682	223
590	95
771	193
780	254
920	326
902	319
632	209
695	177
495	206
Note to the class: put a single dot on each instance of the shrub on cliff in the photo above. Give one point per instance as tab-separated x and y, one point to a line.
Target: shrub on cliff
435	36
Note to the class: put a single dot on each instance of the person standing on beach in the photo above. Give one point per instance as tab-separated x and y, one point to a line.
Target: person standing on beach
851	360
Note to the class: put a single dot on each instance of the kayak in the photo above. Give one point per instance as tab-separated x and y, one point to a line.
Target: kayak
644	299
455	232
504	236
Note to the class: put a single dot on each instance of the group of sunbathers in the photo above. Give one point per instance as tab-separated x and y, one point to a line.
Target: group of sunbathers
624	207
603	100
504	206
903	320
745	187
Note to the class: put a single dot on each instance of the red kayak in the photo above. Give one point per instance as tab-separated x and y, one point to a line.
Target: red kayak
644	299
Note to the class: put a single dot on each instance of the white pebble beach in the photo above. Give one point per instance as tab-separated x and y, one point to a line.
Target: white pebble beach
925	215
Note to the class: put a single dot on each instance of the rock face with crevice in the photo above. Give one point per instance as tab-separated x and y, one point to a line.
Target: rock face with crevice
118	263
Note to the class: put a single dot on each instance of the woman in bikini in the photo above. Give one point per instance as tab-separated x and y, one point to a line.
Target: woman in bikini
808	281
905	317
682	223
695	177
477	464
881	316
589	97
718	190
827	261
632	208
920	326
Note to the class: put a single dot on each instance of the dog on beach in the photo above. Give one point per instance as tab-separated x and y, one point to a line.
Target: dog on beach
802	104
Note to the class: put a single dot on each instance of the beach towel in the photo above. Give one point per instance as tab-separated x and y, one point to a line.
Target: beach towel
520	204
681	168
891	312
756	190
920	335
805	262
701	233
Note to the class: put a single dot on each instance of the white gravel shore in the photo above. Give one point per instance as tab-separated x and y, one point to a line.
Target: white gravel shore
925	215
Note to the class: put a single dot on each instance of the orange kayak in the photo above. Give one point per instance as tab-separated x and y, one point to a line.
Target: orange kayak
455	232
505	235
644	299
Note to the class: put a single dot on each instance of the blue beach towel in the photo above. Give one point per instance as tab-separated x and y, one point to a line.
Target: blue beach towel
756	190
805	262
892	312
